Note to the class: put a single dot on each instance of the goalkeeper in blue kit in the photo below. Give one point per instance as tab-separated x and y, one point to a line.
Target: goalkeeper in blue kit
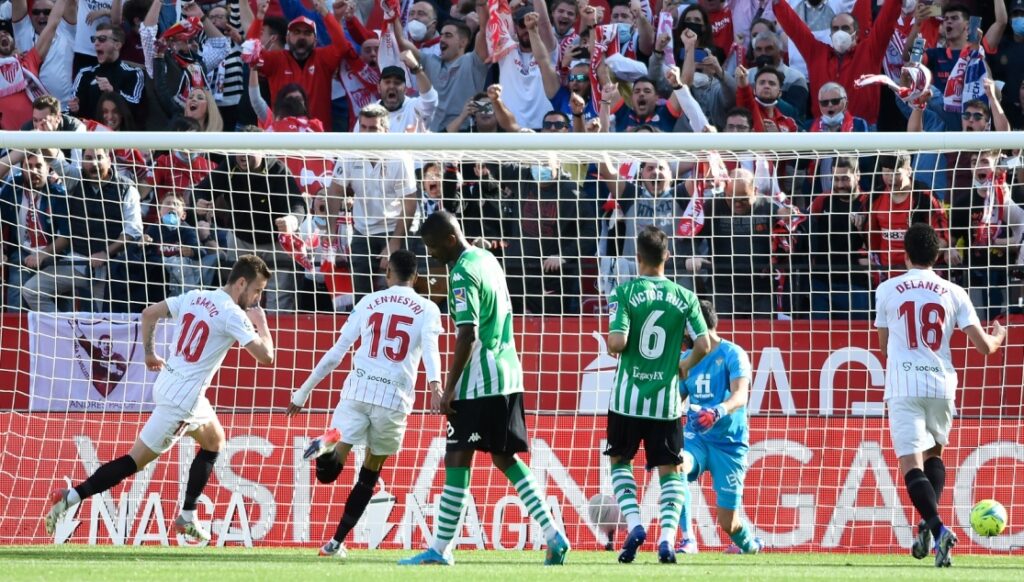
716	437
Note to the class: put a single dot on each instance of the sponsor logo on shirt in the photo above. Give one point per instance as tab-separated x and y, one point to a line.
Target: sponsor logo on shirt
893	234
474	438
371	377
457	277
647	376
459	294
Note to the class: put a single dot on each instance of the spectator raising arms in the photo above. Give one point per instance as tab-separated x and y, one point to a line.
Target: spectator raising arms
303	62
19	83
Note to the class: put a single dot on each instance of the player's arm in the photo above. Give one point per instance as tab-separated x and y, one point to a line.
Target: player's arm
432	359
617	341
327	364
986	343
740	393
150	316
465	337
701	347
883	340
261	348
618	324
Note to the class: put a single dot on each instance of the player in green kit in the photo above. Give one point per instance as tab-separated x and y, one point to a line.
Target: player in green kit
483	392
649	317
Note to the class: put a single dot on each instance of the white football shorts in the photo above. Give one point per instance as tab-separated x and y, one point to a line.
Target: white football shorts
168	423
918	424
380	429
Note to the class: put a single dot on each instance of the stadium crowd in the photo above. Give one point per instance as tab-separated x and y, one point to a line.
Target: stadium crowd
763	236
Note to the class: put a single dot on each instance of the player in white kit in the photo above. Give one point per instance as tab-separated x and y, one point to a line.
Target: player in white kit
396	327
207	324
917	314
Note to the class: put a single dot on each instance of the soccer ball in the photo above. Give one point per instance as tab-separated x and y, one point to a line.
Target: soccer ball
604	513
988	518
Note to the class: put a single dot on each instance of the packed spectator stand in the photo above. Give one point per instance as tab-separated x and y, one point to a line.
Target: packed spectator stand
113	230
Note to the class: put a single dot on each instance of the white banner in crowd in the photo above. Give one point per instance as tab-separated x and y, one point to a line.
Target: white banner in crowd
89	362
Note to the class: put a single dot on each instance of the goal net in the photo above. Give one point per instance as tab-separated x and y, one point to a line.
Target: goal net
787	242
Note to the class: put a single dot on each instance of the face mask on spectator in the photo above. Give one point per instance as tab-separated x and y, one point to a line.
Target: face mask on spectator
832	120
625	33
764	61
982	184
186	156
842	41
171	219
320	222
1017	22
764	103
695	27
542	173
416	30
700	80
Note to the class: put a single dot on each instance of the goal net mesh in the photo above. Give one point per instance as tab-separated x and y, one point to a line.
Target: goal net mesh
788	246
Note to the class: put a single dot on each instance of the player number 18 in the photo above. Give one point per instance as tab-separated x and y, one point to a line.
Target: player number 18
931	319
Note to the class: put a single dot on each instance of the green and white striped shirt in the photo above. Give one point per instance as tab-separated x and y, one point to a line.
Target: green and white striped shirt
654	313
478	295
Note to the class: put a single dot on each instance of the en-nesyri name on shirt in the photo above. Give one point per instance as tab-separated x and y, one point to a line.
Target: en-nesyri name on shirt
403	300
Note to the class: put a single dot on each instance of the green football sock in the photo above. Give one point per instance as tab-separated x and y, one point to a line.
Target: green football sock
449	510
526	486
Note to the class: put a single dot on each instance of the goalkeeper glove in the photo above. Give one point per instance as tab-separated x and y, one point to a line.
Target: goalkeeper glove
706	418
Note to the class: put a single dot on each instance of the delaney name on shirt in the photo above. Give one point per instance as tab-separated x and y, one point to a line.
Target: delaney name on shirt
937	288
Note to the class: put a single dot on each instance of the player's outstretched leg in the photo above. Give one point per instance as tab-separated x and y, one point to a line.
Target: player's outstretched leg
198	476
672	499
355	506
453	499
687	543
104	478
324	448
322	444
624	486
526	486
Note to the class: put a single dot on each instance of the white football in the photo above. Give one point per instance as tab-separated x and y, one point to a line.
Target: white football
604	513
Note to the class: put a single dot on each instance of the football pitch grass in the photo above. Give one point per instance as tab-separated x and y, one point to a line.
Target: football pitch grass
174	564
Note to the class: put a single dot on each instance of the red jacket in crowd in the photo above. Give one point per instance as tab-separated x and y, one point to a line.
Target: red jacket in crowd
315	74
825	65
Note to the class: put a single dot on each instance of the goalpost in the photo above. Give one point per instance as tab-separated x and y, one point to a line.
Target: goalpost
74	391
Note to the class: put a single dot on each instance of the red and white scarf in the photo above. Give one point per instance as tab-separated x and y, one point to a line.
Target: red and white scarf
500	40
606	44
15	78
967	70
993	214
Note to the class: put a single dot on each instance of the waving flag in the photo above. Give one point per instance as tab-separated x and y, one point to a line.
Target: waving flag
500	40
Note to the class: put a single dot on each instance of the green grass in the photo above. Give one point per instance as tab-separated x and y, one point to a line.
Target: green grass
157	564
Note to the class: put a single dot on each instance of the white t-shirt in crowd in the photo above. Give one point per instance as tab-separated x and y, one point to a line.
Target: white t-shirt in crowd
378	191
